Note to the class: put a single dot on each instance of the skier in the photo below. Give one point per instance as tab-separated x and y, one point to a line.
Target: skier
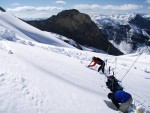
112	84
122	97
99	61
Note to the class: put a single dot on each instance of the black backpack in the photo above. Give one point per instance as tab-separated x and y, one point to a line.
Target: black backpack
112	84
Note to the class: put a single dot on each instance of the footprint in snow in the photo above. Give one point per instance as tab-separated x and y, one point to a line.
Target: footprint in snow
2	77
10	52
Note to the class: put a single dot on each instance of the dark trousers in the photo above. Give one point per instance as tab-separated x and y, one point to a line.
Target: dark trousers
102	67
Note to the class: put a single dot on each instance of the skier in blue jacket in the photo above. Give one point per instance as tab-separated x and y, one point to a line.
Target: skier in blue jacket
122	97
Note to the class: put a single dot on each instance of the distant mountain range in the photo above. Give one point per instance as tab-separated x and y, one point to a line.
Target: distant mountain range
132	29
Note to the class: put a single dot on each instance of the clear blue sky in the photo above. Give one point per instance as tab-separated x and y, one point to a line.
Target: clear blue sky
47	8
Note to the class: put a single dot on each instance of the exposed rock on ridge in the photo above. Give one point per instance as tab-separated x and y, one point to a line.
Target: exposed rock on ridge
77	26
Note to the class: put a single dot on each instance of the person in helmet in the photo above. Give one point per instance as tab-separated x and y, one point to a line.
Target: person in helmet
99	61
121	99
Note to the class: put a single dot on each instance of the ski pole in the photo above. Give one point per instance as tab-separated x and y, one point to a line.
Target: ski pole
90	64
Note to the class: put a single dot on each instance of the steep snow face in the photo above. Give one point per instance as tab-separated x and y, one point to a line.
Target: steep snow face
27	32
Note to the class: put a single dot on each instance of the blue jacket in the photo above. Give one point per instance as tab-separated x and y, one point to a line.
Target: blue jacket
122	96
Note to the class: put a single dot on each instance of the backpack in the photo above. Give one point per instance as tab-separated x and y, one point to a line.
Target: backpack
112	84
99	61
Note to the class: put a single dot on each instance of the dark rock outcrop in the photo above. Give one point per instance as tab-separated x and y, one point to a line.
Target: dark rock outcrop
77	26
117	34
1	9
140	22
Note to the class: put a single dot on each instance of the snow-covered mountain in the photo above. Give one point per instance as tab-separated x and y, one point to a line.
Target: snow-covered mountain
52	77
130	29
121	19
147	16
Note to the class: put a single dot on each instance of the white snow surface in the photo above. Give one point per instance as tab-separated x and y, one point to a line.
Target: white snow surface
44	78
28	32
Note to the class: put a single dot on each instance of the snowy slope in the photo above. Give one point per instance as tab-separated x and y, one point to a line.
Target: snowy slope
43	78
27	32
35	80
38	80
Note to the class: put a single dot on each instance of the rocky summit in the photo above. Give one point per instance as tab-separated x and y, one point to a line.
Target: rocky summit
76	26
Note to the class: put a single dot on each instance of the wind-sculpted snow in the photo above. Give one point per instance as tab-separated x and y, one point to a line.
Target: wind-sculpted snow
78	54
7	34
